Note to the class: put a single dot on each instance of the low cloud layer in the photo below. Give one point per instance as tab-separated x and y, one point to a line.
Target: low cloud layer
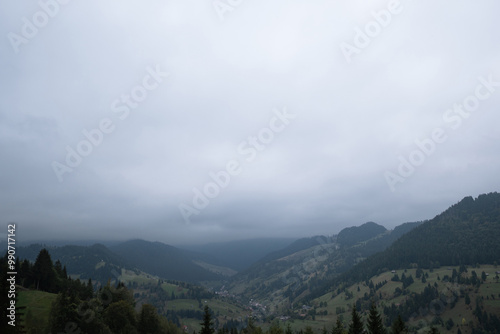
184	122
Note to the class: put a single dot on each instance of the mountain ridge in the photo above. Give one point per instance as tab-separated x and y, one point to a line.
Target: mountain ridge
470	229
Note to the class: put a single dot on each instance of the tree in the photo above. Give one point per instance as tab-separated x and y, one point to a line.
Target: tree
44	273
356	325
120	317
110	294
58	268
85	291
308	330
275	329
63	313
339	327
207	325
91	318
449	324
149	322
375	324
251	328
25	273
433	330
399	326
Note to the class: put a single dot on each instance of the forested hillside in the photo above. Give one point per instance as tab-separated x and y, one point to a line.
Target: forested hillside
102	263
467	233
296	272
75	306
352	235
96	262
163	260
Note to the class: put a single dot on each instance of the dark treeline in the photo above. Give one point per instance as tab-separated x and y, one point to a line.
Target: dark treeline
44	275
82	260
78	308
110	310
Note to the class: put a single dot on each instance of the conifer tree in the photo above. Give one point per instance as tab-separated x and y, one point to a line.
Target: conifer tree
398	326
89	290
63	313
149	322
356	325
375	324
433	330
308	330
44	272
339	327
120	317
207	325
275	329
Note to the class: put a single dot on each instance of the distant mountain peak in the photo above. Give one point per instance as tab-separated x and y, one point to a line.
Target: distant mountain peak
466	233
356	234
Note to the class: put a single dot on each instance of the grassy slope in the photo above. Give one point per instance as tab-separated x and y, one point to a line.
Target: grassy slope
226	309
38	305
457	314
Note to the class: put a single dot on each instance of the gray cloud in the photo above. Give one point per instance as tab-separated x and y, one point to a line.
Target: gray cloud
323	172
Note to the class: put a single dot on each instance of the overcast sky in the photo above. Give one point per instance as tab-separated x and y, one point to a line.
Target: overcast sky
115	116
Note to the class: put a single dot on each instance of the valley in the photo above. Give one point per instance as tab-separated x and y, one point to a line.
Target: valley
309	282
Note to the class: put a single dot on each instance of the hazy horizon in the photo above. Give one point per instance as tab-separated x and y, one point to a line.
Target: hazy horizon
191	242
188	123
